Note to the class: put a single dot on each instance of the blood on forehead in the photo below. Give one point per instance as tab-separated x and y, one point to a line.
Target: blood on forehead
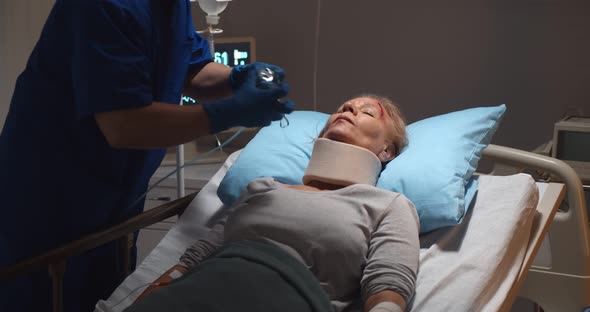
382	111
377	105
380	107
373	103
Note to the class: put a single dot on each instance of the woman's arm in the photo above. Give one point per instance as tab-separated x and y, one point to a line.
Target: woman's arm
382	298
389	276
193	255
164	279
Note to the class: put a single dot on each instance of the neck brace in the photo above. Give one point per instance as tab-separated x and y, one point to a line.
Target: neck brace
341	164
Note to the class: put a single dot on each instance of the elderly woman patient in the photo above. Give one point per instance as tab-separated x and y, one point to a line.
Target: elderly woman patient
334	243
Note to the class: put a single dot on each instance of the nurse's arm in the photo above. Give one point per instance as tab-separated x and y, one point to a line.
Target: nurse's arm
158	125
211	82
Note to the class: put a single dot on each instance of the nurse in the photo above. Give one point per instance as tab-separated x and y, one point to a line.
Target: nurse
89	120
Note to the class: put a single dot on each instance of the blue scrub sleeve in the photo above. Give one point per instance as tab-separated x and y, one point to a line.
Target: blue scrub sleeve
201	53
110	66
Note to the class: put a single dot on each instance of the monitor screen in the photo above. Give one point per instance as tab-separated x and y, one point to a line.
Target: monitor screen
231	52
573	145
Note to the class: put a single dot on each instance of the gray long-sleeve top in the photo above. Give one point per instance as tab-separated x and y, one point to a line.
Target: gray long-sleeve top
356	240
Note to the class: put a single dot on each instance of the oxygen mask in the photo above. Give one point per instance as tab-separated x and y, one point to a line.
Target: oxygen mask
268	78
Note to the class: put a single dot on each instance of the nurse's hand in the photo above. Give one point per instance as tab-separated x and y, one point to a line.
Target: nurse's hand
251	105
244	74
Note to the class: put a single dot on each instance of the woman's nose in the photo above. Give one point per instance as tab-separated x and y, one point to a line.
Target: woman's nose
350	108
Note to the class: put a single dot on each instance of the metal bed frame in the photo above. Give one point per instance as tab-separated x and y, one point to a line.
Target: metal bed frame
569	274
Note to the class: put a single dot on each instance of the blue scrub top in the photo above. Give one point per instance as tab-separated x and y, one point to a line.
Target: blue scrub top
59	177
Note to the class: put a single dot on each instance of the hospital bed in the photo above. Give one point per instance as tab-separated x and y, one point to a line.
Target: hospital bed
519	238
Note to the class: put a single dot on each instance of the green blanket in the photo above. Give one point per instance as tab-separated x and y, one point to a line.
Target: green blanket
242	276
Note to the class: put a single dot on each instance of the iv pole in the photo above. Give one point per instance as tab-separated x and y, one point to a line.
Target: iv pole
213	8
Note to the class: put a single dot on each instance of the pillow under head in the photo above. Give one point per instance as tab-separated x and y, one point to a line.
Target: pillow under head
434	170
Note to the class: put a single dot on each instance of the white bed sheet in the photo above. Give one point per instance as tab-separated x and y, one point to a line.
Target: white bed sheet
470	267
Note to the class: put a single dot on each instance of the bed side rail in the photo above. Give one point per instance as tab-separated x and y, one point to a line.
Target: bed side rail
55	259
569	232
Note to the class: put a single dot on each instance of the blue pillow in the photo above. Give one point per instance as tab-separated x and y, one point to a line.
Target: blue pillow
434	171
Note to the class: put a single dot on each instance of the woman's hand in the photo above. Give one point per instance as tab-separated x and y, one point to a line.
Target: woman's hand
164	280
385	296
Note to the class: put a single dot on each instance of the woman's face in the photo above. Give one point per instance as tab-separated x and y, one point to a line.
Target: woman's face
361	122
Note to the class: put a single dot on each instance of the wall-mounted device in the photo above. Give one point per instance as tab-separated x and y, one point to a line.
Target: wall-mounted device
571	143
235	51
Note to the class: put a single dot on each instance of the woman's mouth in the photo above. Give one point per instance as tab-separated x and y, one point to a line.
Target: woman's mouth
343	118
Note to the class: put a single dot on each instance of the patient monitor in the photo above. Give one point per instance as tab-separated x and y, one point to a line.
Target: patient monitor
235	51
571	143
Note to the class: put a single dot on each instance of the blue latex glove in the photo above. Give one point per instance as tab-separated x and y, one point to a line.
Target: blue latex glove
241	73
252	105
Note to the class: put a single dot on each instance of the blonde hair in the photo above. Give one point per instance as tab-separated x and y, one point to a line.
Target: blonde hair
397	121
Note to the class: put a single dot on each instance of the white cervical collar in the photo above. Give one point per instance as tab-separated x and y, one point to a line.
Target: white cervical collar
341	164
